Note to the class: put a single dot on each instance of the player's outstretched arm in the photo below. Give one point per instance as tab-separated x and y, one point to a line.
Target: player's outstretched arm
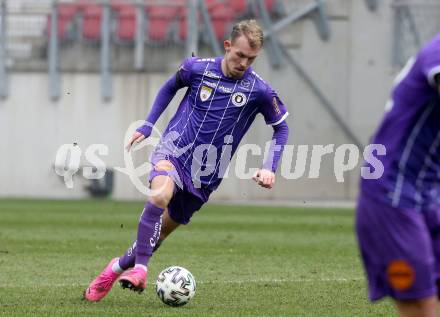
135	138
265	177
164	96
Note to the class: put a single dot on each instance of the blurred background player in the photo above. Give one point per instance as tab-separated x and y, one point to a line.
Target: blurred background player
223	98
398	215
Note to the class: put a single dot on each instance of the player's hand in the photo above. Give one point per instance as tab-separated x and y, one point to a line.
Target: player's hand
264	178
135	138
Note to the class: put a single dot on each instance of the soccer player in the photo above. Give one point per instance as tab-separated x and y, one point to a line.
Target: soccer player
398	214
223	98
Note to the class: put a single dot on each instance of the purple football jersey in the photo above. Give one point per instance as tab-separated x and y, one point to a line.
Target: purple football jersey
213	117
410	131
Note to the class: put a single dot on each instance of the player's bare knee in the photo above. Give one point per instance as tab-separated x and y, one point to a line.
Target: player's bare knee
164	165
160	200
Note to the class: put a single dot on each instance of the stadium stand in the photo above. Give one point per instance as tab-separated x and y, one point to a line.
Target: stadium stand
165	22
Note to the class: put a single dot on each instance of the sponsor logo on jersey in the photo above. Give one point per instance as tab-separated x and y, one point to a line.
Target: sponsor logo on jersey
224	89
238	99
245	83
210	84
205	93
211	74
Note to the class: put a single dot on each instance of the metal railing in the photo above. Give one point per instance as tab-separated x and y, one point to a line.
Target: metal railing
415	22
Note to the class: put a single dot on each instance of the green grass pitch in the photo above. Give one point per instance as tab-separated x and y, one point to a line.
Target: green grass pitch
247	261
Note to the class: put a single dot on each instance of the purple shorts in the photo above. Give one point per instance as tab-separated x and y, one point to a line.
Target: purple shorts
400	250
186	199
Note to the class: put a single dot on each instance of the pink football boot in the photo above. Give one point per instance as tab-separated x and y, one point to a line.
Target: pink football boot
134	279
102	284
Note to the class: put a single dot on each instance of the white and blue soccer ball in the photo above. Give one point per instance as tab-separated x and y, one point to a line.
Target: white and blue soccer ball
175	286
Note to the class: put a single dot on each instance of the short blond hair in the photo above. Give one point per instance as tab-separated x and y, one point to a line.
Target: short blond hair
251	30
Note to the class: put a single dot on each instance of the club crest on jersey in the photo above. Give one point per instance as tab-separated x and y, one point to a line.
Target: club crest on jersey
238	99
205	93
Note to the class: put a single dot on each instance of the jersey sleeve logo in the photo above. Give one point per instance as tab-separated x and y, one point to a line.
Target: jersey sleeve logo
275	105
238	99
205	93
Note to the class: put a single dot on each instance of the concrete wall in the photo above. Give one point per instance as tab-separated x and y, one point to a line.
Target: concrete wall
353	70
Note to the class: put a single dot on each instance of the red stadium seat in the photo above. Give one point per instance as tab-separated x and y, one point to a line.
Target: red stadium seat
92	16
210	3
270	5
239	7
120	5
159	21
126	21
221	17
67	10
183	24
84	4
66	14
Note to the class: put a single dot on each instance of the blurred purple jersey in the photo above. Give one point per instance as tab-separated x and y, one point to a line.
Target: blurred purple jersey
410	132
213	117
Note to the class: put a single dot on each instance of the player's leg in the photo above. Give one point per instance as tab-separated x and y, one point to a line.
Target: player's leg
148	231
179	212
168	226
149	227
432	218
426	307
151	222
396	249
128	260
180	209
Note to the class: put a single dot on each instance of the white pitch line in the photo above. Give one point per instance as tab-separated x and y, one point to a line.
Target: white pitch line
254	281
294	280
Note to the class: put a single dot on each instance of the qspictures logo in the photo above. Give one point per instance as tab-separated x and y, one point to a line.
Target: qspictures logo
206	161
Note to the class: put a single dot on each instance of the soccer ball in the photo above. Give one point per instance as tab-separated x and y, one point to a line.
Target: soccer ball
175	286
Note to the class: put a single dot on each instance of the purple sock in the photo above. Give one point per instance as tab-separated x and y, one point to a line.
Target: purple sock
127	260
148	232
147	237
